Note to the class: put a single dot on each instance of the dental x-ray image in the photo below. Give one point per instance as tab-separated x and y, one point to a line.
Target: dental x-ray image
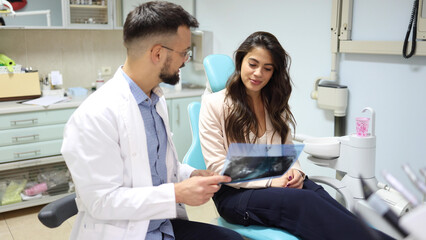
246	162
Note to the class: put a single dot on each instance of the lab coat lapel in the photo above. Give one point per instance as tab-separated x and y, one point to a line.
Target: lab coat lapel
141	171
171	156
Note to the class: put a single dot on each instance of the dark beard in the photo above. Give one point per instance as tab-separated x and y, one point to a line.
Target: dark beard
171	79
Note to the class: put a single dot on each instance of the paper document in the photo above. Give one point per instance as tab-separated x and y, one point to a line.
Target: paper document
247	162
46	101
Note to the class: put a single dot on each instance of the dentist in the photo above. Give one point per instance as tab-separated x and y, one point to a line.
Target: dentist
118	145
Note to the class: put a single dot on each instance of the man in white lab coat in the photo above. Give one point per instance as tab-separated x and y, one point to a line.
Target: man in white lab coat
118	145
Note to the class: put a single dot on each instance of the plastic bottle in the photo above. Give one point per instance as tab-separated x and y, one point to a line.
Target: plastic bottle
178	86
100	81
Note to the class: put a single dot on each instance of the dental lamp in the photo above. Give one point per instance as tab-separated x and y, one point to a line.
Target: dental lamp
8	5
12	13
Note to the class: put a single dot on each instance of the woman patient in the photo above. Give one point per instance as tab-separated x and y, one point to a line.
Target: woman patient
253	108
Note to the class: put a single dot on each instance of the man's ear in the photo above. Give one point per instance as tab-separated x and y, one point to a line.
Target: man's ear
156	54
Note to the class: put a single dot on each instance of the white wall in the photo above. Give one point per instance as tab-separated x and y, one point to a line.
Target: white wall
392	85
77	54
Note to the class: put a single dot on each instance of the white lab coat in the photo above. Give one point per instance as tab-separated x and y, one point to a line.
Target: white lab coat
105	148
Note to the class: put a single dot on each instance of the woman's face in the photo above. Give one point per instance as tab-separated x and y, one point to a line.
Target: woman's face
256	70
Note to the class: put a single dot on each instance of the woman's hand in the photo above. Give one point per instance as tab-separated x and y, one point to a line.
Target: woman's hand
295	178
292	178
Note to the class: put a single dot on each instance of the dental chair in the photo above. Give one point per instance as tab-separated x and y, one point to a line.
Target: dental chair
218	68
55	213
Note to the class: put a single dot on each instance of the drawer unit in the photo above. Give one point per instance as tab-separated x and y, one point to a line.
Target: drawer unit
30	135
33	134
31	175
32	119
30	150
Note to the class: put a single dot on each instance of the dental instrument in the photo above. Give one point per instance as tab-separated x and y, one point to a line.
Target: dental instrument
381	207
421	186
400	188
423	172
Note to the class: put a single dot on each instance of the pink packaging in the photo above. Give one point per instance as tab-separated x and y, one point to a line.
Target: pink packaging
36	189
362	126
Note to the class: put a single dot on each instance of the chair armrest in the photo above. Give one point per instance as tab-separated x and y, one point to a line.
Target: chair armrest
55	213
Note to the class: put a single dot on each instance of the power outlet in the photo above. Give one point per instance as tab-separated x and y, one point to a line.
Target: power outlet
106	70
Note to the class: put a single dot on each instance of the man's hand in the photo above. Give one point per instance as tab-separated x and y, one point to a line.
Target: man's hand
198	190
202	173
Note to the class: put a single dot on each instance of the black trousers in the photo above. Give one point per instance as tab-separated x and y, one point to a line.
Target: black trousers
189	230
308	213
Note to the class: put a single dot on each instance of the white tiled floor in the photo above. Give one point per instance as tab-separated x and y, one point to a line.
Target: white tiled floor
24	225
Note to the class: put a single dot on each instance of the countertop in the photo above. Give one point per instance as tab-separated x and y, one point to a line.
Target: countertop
185	92
16	107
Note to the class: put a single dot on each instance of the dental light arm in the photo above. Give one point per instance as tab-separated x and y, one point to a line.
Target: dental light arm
26	13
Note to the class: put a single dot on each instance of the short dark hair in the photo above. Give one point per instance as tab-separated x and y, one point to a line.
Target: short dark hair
155	18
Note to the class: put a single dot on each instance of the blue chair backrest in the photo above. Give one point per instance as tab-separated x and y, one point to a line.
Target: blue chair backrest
218	68
194	156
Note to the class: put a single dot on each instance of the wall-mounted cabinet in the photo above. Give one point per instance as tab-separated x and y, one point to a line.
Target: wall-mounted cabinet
123	8
79	14
91	14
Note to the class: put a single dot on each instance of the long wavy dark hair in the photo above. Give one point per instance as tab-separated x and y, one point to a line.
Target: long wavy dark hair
240	118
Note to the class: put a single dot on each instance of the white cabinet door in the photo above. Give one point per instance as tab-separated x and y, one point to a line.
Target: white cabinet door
128	6
88	14
179	123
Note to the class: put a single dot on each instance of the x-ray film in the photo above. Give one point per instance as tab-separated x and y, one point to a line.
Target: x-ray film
247	162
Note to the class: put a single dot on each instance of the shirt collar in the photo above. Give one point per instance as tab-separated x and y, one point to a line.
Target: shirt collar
140	95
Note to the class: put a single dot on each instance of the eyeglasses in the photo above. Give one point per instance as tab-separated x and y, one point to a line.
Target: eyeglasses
186	55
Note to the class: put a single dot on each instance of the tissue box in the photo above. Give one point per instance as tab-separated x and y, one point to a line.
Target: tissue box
19	86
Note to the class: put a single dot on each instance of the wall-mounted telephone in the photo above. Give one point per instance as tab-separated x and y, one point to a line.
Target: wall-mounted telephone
421	20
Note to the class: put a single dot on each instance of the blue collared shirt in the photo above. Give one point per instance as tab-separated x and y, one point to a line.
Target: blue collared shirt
156	137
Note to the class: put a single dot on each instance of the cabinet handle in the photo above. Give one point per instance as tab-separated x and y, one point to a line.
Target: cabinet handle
17	138
178	115
31	121
35	153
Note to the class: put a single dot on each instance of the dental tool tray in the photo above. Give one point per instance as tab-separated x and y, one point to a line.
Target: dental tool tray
324	148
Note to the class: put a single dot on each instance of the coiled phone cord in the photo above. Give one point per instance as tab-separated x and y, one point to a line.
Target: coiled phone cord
411	28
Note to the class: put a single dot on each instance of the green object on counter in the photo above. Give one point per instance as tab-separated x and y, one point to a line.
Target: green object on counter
13	192
6	61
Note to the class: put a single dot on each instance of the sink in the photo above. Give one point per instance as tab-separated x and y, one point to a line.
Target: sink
325	148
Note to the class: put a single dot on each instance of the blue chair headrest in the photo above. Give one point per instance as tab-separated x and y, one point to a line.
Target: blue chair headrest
219	68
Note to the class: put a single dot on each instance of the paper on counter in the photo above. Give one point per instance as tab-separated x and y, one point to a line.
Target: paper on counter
46	100
56	78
